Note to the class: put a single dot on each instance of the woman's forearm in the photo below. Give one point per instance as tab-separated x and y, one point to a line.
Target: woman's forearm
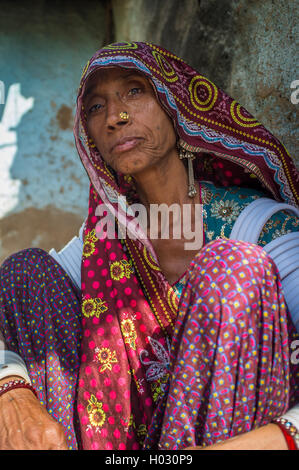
267	437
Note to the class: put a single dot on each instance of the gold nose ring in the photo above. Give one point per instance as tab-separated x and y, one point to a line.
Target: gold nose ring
124	116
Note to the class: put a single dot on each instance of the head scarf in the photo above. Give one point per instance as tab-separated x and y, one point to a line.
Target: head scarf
128	307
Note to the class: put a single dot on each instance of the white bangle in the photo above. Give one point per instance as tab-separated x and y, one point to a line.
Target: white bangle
290	420
292	415
11	364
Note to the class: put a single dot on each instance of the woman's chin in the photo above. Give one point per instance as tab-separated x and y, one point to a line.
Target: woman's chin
130	165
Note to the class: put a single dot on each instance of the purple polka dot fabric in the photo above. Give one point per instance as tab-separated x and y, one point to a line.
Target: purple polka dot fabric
40	317
230	368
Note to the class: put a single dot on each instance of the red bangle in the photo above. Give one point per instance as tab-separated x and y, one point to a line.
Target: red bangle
288	437
12	384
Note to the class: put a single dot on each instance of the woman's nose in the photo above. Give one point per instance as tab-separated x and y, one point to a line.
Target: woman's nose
115	111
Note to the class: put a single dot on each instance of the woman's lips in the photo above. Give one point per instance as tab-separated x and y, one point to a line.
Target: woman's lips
126	144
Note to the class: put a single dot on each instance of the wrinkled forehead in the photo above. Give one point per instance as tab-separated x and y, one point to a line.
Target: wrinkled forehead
100	69
107	75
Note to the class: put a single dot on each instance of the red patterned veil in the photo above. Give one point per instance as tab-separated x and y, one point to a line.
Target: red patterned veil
128	307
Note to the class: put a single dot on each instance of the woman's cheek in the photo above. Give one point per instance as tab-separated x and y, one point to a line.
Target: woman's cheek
90	131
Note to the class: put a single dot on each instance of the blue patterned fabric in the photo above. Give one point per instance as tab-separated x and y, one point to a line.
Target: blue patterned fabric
221	208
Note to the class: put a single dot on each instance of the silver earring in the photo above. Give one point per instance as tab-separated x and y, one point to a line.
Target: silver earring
183	153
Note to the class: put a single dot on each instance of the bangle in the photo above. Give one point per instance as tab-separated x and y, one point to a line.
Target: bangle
12	384
289	431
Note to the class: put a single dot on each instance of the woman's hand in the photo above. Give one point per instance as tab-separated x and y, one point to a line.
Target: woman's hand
26	425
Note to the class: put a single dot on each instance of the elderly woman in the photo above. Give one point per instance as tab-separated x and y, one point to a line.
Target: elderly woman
164	347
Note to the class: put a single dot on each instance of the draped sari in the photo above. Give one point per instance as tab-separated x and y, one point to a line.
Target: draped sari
134	324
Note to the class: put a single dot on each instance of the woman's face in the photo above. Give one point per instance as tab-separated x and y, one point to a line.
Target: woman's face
143	140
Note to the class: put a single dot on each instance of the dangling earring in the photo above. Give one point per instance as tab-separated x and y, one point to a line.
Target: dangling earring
183	153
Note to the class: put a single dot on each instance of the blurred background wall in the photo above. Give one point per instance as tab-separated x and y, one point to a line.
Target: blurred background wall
247	47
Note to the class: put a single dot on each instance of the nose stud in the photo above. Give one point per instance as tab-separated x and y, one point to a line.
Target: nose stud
124	116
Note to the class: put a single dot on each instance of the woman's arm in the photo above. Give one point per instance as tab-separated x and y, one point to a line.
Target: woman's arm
267	437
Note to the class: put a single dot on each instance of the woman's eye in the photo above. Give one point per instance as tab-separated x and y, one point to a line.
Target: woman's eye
134	91
95	107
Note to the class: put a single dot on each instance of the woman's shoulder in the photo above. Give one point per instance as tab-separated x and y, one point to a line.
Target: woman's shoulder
222	206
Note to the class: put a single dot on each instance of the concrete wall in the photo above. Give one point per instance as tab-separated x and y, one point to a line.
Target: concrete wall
43	186
247	47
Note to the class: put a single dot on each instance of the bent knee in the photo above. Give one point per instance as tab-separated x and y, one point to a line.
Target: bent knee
28	256
229	255
225	246
232	267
